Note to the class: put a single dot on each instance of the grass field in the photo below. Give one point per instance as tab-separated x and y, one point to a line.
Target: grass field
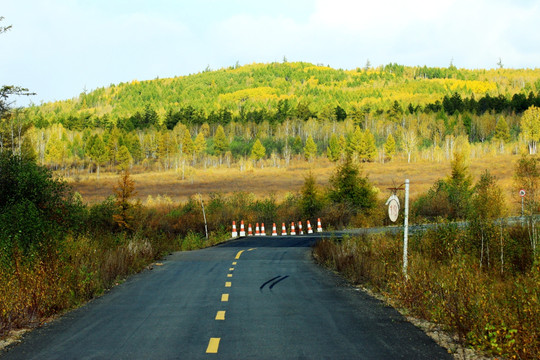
280	181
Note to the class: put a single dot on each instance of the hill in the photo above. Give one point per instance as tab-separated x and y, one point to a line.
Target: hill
276	91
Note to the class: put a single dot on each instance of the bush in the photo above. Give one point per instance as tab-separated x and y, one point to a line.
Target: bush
36	211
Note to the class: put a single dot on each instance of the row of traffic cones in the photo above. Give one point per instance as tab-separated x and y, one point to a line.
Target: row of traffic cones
260	231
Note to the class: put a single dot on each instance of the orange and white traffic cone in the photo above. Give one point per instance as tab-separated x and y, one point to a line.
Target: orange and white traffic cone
250	230
283	230
309	229
300	230
274	230
257	230
242	230
293	231
319	226
234	232
263	232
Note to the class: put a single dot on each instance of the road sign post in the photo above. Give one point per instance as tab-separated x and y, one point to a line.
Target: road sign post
522	194
393	212
406	227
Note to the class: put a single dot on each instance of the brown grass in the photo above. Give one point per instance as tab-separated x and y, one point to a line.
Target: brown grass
280	181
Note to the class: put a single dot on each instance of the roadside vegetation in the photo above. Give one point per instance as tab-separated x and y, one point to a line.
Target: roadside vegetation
480	281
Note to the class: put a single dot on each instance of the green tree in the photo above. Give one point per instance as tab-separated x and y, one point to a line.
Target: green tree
311	200
530	126
55	151
368	149
187	144
310	150
333	151
502	130
258	151
348	187
390	147
37	212
221	143
124	158
459	188
487	205
297	145
199	144
97	151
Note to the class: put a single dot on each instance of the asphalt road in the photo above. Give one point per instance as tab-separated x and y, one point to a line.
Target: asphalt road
251	298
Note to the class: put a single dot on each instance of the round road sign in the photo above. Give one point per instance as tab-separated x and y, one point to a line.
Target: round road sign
522	193
393	209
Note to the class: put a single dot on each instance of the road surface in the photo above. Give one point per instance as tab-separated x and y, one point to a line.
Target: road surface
251	298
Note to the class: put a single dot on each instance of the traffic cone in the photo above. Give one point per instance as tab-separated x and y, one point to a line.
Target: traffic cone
283	230
309	229
293	231
300	230
257	231
250	230
263	233
274	230
319	226
242	230
234	233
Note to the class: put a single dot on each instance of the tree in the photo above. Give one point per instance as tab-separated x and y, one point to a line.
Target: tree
487	206
36	210
124	158
187	143
199	144
124	191
333	150
310	150
350	188
527	177
530	126
340	113
409	142
390	147
459	188
311	201
258	151
97	151
368	150
221	143
502	132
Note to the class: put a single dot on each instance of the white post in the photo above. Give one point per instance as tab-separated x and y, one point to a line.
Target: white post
406	227
204	215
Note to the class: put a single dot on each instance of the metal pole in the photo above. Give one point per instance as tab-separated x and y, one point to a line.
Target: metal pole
406	227
204	215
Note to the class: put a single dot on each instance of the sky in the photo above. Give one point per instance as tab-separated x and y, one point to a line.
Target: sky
60	48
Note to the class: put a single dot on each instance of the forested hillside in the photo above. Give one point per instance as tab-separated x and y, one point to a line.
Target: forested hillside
268	113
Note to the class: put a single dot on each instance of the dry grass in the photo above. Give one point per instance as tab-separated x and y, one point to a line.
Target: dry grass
280	181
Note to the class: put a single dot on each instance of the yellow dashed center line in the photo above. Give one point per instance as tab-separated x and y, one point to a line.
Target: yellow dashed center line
234	263
251	249
238	255
231	269
224	297
229	275
220	315
228	284
213	346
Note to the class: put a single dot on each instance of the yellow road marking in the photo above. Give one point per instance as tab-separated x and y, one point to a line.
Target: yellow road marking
238	255
251	249
231	269
224	297
213	346
229	275
228	284
234	263
220	315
